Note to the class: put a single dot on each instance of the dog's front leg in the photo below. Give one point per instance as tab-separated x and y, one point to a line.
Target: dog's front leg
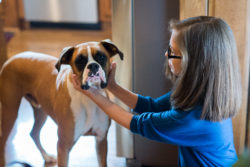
63	155
101	150
64	145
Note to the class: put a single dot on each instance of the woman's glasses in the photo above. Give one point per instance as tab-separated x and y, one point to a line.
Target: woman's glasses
171	54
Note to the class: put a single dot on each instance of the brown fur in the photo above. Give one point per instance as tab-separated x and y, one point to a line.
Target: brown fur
36	80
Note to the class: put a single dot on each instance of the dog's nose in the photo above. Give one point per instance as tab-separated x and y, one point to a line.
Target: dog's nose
93	67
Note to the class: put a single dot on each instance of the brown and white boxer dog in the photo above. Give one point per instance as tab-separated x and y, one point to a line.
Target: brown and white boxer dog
46	83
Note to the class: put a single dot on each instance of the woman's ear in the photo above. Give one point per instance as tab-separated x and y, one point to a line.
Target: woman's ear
111	48
65	57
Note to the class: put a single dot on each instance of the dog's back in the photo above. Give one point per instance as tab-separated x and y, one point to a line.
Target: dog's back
13	72
14	68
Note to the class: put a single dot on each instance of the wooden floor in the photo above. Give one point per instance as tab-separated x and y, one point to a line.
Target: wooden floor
20	145
52	41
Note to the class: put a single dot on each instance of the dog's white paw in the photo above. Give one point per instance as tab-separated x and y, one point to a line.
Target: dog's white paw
51	160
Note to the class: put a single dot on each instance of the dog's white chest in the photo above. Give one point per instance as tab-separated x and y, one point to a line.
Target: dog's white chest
87	115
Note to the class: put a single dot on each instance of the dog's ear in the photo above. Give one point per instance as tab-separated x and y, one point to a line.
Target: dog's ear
65	57
111	48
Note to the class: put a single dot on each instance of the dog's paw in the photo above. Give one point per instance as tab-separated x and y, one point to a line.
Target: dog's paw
50	160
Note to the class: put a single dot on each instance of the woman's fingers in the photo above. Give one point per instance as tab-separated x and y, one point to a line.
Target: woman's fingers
76	82
77	85
112	71
113	67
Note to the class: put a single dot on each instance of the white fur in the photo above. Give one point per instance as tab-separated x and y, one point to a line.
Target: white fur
86	71
90	58
87	115
65	69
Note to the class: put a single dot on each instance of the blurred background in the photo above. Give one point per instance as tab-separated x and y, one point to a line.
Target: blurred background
140	30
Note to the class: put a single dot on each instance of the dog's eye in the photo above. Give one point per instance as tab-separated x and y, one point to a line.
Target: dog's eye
100	58
81	62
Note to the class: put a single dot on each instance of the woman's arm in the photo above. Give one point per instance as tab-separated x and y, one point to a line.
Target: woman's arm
114	111
139	103
126	96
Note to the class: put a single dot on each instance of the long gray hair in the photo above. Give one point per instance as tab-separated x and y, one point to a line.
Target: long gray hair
210	72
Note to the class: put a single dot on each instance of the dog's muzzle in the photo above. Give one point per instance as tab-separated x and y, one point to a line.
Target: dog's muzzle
94	76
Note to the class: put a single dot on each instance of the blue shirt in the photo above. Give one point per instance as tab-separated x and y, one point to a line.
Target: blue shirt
201	142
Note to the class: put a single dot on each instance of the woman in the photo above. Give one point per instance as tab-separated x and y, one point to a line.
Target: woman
196	115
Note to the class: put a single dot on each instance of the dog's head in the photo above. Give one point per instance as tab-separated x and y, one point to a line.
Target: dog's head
90	61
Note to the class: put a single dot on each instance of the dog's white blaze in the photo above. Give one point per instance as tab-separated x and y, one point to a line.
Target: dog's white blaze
86	114
79	50
90	58
86	70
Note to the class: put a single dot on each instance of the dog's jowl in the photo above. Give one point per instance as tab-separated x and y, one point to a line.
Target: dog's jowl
46	83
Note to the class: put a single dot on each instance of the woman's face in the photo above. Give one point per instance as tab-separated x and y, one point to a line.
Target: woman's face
174	62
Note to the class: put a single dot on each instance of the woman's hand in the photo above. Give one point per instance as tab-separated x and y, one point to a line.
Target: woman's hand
111	77
114	111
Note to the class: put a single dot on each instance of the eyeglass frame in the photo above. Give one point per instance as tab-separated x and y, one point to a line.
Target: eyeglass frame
170	56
